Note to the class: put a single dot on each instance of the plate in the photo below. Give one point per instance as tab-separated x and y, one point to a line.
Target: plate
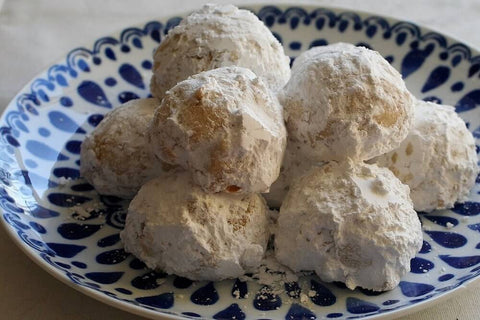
68	229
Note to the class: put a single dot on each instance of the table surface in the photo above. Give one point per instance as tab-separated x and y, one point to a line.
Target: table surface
33	33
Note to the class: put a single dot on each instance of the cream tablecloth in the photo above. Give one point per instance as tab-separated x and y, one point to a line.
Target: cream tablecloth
35	33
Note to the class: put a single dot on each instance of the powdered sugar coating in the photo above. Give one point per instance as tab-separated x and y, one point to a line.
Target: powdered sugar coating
437	160
116	157
344	102
307	55
350	222
226	127
293	166
217	36
174	226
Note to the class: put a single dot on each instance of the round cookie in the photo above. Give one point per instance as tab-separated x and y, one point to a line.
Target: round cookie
437	160
349	222
225	127
218	36
116	157
345	102
174	226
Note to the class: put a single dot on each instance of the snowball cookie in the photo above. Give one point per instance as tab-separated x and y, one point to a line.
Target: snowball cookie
349	222
174	226
217	36
293	166
437	159
226	127
345	101
116	157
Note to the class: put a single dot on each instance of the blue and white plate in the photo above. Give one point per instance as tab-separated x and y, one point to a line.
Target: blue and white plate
43	127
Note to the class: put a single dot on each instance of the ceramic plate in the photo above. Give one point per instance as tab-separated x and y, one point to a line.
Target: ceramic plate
40	191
